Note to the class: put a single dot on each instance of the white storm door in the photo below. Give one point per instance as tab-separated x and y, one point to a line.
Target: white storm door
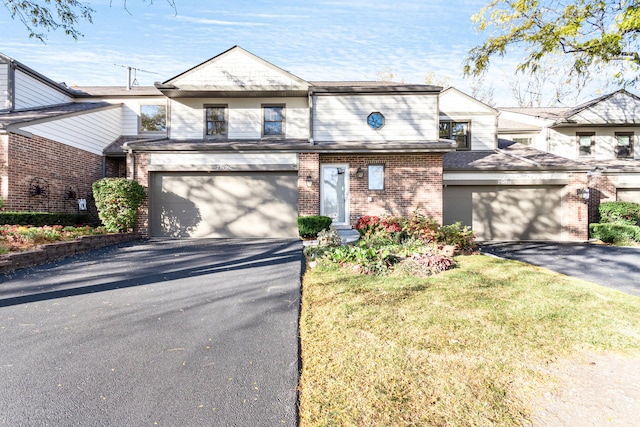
334	193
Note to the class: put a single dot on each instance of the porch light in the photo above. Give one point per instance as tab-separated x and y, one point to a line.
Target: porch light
309	181
583	193
359	173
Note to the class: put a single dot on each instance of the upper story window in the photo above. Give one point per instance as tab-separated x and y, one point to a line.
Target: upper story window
624	144
273	120
153	118
458	131
525	141
216	121
586	144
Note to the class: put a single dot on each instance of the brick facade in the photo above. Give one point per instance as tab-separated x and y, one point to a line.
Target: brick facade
141	162
602	188
576	215
412	182
33	165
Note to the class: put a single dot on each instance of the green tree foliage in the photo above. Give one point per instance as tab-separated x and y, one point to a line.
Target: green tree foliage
593	33
118	200
43	16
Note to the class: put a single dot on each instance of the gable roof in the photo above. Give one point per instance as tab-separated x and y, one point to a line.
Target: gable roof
453	91
36	75
232	72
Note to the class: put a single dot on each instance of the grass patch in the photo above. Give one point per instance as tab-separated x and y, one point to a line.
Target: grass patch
459	348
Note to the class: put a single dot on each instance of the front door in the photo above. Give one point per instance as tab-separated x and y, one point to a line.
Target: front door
334	193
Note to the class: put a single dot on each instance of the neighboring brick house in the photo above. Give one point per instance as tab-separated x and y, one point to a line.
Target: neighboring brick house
601	134
237	147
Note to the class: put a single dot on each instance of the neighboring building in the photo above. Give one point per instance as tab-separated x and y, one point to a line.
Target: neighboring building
602	133
237	147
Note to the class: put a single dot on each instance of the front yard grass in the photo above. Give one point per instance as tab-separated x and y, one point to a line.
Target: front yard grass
461	348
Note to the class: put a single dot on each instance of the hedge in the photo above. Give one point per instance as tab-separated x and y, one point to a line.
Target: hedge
39	219
615	232
310	226
623	212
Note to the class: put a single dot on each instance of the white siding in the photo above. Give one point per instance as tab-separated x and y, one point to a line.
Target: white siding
32	93
618	109
458	107
563	141
91	132
5	99
239	70
131	111
244	117
344	118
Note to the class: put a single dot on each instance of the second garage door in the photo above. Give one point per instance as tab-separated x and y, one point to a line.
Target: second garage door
506	212
224	204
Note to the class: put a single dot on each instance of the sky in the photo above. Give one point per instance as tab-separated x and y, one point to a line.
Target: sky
315	40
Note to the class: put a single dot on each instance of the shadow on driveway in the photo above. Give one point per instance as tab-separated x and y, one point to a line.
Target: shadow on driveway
611	266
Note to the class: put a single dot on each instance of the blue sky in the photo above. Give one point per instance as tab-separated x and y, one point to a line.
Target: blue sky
315	40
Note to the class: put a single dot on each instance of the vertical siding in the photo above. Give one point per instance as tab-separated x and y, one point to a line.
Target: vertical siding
32	93
245	117
344	118
91	132
5	98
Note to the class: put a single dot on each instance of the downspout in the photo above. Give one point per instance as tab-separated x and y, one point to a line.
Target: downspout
311	141
132	166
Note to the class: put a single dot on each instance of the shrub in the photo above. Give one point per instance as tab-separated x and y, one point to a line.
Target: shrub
310	226
456	235
624	212
329	238
426	264
118	200
368	225
615	233
40	219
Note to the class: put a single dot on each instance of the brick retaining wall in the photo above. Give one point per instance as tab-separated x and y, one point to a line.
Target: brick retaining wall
55	251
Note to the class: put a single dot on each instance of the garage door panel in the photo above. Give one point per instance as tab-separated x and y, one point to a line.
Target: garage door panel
508	212
628	195
225	205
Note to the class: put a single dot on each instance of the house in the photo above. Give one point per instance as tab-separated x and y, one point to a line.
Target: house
601	133
238	147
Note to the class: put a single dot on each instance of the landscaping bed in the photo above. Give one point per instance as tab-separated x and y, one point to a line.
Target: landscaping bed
24	246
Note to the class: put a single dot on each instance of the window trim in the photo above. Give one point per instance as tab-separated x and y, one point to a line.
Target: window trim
467	147
166	122
226	121
592	147
369	174
284	121
631	143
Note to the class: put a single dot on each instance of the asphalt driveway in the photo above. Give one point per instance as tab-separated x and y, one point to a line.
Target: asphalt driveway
611	266
164	332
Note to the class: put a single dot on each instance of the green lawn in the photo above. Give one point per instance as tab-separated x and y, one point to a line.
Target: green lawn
461	348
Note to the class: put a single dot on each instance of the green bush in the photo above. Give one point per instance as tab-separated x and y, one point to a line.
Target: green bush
615	233
40	219
310	226
118	200
457	235
624	212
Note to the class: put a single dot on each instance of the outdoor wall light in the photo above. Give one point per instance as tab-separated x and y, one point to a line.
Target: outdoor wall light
309	181
583	193
359	173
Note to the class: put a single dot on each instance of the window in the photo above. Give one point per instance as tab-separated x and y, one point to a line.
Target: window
216	121
153	118
458	131
273	124
624	146
376	177
586	144
525	141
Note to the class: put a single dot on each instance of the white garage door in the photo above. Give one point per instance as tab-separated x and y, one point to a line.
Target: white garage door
225	204
506	212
